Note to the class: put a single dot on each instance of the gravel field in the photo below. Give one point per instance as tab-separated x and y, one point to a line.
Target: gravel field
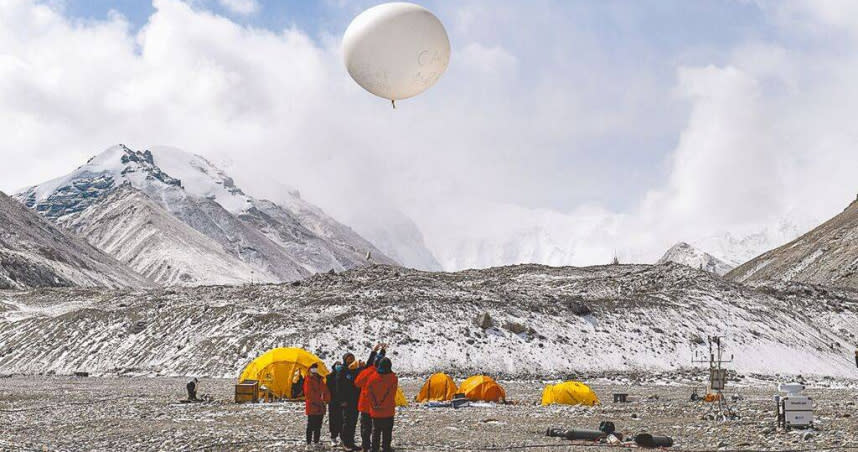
69	413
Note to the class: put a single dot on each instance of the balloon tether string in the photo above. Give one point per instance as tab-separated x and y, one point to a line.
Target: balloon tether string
393	102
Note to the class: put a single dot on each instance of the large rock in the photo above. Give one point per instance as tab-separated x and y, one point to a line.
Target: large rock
484	321
516	328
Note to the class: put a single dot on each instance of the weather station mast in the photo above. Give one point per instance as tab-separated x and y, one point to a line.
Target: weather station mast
719	409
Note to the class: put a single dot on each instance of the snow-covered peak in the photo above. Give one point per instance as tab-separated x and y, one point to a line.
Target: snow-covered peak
285	241
740	246
685	254
101	174
201	178
152	171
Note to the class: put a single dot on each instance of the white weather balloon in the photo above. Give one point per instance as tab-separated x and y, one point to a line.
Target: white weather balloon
396	50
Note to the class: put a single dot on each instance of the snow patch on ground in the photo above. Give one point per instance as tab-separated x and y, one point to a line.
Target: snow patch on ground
14	312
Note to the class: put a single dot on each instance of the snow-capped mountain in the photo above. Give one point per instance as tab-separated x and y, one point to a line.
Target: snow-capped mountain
397	236
473	234
827	255
35	253
466	235
262	240
685	254
737	247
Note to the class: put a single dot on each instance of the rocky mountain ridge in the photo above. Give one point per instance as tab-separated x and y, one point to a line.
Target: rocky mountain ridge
827	255
525	320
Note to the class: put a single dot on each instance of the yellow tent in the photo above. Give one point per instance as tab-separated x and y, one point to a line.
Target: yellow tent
569	393
481	387
275	368
400	397
438	388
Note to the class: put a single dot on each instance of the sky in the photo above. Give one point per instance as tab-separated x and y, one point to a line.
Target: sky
563	132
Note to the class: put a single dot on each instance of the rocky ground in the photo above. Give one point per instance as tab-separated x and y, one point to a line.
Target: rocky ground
69	413
519	321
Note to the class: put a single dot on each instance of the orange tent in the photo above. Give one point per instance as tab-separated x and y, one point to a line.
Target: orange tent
439	387
481	387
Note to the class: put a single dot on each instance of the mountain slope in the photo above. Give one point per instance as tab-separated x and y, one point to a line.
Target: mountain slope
827	255
737	247
35	253
394	233
267	241
128	225
297	220
542	321
685	254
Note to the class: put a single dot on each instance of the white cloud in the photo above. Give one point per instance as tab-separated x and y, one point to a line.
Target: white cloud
525	150
243	7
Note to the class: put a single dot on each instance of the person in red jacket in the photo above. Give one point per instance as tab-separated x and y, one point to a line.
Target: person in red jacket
381	391
363	402
316	396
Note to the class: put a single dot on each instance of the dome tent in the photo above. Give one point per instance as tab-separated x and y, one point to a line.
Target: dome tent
274	369
438	388
400	397
569	393
482	388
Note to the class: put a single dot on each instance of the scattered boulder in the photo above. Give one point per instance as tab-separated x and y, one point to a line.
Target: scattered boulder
484	321
577	307
515	328
137	327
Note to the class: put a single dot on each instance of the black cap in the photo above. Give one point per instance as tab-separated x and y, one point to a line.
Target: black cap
384	366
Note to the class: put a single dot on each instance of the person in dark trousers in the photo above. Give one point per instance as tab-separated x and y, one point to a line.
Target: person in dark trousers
297	385
335	408
350	394
363	401
381	391
316	395
192	389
